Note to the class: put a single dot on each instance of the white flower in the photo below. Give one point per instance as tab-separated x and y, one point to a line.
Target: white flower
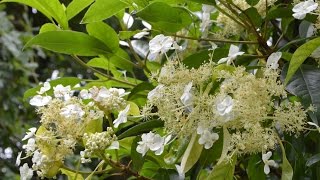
224	105
38	158
155	93
187	97
62	92
207	138
152	141
46	87
141	34
29	134
205	19
158	45
147	25
272	61
122	117
301	9
118	92
25	172
267	162
39	100
72	110
114	145
314	124
84	94
127	20
233	53
18	161
30	146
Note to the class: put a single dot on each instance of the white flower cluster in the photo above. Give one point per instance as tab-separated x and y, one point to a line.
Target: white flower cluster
152	141
98	142
161	44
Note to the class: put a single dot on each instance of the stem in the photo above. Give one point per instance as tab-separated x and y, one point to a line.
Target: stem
78	60
84	172
214	40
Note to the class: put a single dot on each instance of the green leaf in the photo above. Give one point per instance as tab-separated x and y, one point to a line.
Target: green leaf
76	6
93	126
137	158
164	17
144	86
69	42
103	9
48	27
104	33
253	15
99	63
223	170
192	154
50	8
279	12
255	168
313	160
121	60
305	84
197	59
287	171
72	81
301	54
123	35
210	2
141	128
252	2
71	175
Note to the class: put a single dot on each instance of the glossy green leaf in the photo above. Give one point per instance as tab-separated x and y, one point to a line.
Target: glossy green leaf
122	60
100	63
223	170
255	168
69	42
210	2
64	81
50	8
144	86
300	55
76	6
123	35
164	17
137	158
141	128
103	9
104	33
254	16
192	154
252	2
279	12
71	175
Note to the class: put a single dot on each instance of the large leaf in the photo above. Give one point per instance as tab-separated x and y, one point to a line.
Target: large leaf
254	16
224	170
104	33
192	154
287	171
103	9
252	2
141	127
50	8
63	81
164	17
205	2
137	158
70	42
301	54
305	84
76	6
255	168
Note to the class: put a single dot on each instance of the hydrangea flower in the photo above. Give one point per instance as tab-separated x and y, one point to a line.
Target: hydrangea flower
72	110
127	20
303	8
267	162
60	91
30	146
122	117
30	134
224	105
187	97
233	53
46	87
18	160
160	44
272	61
152	141
25	172
155	92
207	138
205	19
39	100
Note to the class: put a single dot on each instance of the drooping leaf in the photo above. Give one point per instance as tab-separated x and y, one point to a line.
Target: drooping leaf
305	84
50	8
137	158
103	9
164	17
63	81
76	6
287	171
70	42
300	55
141	127
104	33
192	154
223	170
